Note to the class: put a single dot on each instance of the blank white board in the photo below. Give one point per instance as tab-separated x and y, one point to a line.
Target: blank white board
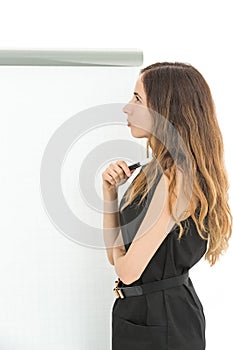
55	292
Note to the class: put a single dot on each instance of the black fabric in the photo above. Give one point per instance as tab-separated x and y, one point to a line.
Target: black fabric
170	319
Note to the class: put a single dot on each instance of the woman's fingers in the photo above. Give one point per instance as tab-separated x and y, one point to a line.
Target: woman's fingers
125	167
117	173
110	179
121	168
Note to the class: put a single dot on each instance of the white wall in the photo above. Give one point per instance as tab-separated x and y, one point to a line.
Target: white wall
196	32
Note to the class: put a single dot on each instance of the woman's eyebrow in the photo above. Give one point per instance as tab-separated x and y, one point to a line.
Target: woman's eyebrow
137	94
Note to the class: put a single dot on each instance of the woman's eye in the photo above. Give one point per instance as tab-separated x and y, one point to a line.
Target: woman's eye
137	98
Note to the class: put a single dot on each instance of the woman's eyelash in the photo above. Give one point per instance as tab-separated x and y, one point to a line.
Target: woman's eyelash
137	98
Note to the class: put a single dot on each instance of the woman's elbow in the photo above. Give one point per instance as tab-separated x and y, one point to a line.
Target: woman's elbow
127	277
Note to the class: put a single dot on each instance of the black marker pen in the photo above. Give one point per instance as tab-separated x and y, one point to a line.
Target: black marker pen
138	164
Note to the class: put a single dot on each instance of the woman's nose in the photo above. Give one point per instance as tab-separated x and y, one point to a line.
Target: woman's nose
127	108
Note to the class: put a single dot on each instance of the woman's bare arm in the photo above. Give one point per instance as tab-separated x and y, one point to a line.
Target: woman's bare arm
110	221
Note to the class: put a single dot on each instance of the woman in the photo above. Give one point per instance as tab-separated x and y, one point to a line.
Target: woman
173	209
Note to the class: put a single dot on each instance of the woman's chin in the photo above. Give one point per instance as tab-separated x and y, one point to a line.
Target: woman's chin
137	133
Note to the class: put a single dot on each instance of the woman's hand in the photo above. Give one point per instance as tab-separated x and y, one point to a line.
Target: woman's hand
116	174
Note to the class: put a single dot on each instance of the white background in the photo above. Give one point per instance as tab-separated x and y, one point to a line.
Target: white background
195	32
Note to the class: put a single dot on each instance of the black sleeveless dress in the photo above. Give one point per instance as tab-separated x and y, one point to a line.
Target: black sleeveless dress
171	319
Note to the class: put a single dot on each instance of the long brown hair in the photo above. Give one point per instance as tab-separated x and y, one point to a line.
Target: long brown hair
180	94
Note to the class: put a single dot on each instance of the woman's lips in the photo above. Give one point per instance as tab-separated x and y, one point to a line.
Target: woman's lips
129	124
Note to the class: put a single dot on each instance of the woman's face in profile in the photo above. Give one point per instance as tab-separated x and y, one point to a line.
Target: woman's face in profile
139	118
